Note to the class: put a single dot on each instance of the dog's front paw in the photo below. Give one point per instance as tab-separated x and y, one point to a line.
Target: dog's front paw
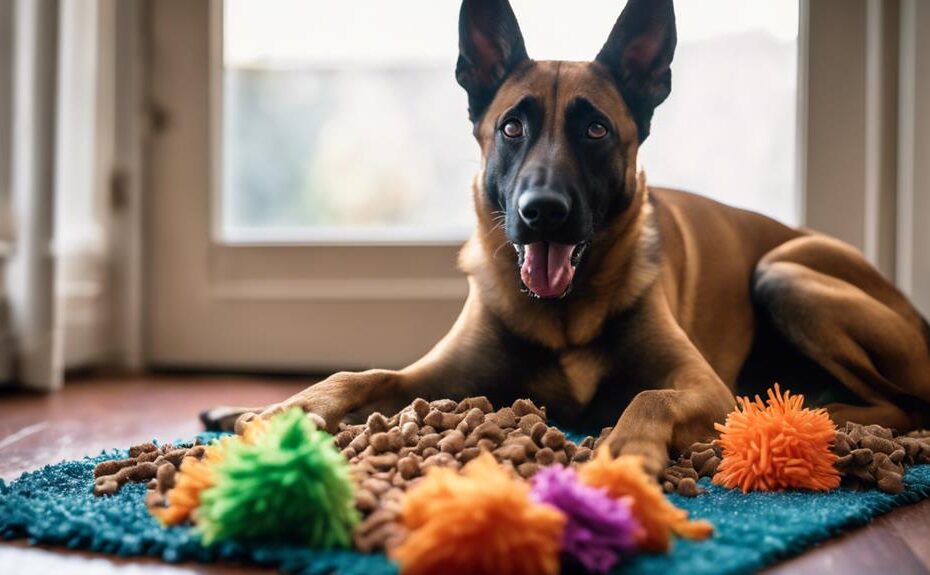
654	454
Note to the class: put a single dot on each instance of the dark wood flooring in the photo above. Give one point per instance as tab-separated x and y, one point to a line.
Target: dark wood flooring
94	413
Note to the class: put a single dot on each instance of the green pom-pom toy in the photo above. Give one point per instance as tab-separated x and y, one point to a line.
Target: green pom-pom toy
292	485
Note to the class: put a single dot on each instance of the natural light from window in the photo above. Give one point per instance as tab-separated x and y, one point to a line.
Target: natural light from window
342	121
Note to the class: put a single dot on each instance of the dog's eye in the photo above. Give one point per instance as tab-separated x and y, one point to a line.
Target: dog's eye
596	131
512	129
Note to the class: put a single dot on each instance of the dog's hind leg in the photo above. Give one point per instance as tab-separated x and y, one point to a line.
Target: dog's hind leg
829	302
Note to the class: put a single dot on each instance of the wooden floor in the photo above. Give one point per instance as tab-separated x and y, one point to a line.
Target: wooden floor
92	414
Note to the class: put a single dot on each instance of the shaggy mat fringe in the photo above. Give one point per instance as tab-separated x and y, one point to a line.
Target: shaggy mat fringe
54	505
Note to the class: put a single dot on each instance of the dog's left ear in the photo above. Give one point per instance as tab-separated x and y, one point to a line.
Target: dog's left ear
639	54
490	47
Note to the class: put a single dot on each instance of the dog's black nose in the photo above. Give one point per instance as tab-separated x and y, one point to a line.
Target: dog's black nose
543	209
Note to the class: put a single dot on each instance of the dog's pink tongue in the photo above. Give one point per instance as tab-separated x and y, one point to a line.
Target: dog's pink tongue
547	268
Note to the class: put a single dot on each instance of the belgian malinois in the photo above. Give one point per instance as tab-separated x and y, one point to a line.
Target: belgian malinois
621	304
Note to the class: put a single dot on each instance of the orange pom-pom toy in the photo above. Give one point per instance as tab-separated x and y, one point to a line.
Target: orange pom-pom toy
777	445
479	521
196	475
625	476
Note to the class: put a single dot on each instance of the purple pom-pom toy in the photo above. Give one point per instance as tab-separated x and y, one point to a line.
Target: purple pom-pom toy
599	530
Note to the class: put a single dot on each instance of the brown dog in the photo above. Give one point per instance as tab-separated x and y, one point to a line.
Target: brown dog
620	299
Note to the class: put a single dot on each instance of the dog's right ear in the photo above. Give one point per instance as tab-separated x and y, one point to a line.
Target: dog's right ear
490	47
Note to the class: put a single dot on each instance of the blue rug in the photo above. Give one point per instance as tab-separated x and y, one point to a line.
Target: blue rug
54	505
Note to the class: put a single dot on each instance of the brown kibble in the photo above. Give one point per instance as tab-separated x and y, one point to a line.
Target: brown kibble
698	459
878	431
841	445
523	440
506	419
891	483
137	450
408	467
528	422
443	421
376	485
468	454
444	405
570	449
395	438
359	443
538	431
452	443
668	487
527	470
148	457
165	477
349	453
687	487
427	441
489	430
379	442
553	438
429	452
878	444
473	418
377	423
861	456
513	452
111	466
384	460
365	500
420	407
175	456
142	472
197	452
409	431
587	442
689	473
583	454
343	438
545	456
107	487
409	416
523	407
710	467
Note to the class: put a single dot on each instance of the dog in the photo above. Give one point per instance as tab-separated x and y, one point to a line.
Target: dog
624	305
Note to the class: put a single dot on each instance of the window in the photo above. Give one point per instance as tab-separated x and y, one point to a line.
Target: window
343	121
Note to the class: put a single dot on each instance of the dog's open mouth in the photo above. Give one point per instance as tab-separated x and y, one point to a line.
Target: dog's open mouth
548	268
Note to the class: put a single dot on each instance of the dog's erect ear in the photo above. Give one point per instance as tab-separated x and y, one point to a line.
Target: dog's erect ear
490	47
639	54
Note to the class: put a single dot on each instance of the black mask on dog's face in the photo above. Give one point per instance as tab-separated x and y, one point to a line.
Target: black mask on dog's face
558	138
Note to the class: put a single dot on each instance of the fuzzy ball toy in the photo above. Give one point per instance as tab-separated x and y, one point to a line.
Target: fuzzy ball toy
481	521
625	476
777	445
291	485
196	475
599	530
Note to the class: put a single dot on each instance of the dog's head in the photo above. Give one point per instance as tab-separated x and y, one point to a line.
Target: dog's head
559	139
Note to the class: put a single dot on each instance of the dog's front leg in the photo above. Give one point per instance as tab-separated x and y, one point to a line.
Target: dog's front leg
465	362
687	399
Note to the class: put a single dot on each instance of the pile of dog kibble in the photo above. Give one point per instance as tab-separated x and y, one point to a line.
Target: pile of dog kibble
388	455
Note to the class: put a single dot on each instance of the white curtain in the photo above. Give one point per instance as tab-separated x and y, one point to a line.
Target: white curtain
57	126
31	279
